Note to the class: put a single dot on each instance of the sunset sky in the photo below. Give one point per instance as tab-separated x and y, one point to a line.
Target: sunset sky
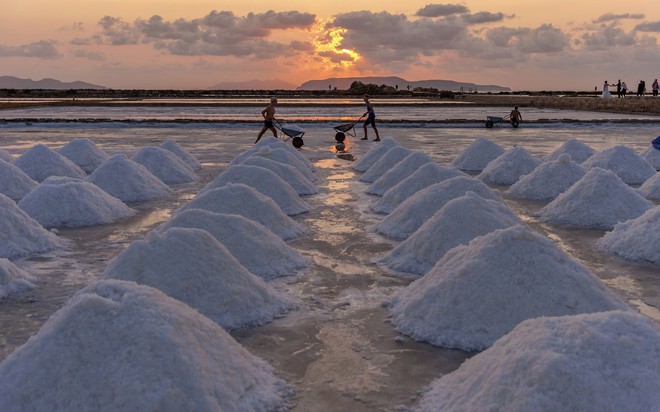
196	44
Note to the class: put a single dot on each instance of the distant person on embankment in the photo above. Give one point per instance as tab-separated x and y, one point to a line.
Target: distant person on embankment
269	115
371	119
515	117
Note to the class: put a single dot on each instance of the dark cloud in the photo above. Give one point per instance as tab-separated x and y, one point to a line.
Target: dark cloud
483	17
652	26
89	55
441	10
607	37
44	49
614	17
117	32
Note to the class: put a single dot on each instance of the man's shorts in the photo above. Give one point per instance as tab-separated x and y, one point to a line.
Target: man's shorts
268	123
371	120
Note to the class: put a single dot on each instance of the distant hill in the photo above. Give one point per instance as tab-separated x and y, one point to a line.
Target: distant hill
274	84
344	83
10	82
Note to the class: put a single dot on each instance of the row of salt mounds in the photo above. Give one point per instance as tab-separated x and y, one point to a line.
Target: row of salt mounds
548	180
636	239
651	188
457	223
477	155
272	144
14	183
598	201
479	292
39	162
301	184
246	201
192	266
182	154
652	155
165	165
409	165
578	151
420	207
507	168
128	181
585	362
21	235
13	279
6	156
84	153
278	155
386	162
266	182
375	153
176	359
70	202
252	244
425	176
622	160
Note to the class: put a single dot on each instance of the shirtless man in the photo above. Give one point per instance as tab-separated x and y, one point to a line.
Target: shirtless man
371	119
515	116
269	115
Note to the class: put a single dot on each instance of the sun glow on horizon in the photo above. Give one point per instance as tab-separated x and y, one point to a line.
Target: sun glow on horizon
328	46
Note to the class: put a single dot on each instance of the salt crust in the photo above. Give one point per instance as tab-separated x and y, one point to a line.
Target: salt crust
14	183
385	163
13	279
507	168
118	346
652	155
548	180
479	292
40	162
578	151
301	184
182	154
477	155
83	152
399	172
165	165
622	160
635	239
375	153
651	188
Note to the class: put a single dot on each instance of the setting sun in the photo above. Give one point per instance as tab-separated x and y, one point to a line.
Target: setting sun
328	45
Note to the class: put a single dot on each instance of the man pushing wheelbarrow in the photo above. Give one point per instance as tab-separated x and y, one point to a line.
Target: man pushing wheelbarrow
515	118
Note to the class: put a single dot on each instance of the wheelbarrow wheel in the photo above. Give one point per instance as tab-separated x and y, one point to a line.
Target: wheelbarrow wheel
297	142
489	124
514	123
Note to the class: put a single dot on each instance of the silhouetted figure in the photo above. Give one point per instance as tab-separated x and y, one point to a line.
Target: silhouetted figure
269	115
371	119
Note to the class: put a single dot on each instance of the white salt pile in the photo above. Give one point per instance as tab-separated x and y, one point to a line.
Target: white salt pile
13	279
507	168
84	153
69	202
246	201
40	162
281	156
651	188
409	165
6	156
374	154
652	155
578	151
623	161
256	248
121	346
385	163
594	362
182	154
548	180
301	184
14	183
479	292
266	182
425	176
420	207
477	155
599	201
20	235
458	222
192	266
636	239
165	165
268	144
128	181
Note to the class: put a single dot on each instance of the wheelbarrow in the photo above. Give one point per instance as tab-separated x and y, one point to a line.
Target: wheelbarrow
292	132
493	120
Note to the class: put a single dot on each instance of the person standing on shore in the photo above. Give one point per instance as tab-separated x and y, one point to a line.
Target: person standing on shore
269	115
655	87
371	119
618	89
606	90
624	89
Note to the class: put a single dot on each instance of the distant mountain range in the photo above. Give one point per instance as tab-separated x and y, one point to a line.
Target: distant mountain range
274	84
10	82
343	83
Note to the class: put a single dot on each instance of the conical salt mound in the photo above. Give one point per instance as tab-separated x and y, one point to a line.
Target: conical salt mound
21	235
385	163
128	181
165	165
578	151
13	279
246	201
548	180
252	244
425	176
652	155
599	201
6	156
420	207
409	165
268	144
39	162
593	362
651	188
477	155
507	168
623	161
457	223
14	183
636	239
375	153
479	292
266	182
69	202
278	155
121	346
291	175
182	154
84	153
